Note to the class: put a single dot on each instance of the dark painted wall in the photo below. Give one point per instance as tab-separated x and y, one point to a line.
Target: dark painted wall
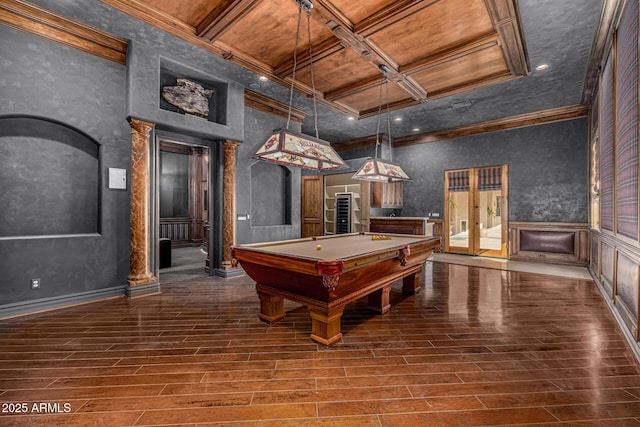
258	127
548	170
50	179
95	96
45	79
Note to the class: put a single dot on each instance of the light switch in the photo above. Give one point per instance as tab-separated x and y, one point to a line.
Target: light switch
117	179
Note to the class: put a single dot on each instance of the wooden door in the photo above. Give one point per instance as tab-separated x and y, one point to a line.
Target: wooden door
312	206
476	216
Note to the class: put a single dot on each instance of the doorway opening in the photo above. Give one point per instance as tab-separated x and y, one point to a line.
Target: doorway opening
183	210
476	211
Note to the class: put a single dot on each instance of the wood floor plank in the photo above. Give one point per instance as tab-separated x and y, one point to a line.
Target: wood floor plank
474	347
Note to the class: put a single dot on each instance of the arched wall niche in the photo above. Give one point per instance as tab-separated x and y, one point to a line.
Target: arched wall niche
270	194
50	174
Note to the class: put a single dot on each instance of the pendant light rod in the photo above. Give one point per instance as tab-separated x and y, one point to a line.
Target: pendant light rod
380	170
289	148
313	80
295	62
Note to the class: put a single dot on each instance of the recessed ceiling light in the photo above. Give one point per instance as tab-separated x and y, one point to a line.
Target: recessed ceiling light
416	129
254	85
542	67
397	119
263	78
351	118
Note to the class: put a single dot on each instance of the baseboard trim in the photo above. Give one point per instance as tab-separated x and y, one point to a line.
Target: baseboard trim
142	290
232	272
54	303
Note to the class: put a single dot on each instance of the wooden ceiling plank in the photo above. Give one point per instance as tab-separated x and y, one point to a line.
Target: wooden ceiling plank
397	105
343	29
452	53
223	17
389	15
471	85
353	89
505	16
320	51
465	48
27	17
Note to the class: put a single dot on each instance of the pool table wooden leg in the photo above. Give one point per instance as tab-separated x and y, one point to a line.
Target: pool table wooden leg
379	300
271	307
411	283
325	325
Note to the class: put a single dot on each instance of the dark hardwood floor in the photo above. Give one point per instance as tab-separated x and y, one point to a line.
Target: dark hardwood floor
474	347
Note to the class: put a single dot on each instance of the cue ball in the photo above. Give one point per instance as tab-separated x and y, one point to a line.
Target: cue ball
318	247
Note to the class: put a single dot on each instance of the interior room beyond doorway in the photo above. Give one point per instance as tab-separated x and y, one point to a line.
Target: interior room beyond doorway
183	206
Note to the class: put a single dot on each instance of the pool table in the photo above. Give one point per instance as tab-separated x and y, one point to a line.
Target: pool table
326	273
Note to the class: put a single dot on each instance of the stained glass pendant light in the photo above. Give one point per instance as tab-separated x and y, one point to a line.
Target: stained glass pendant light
295	149
377	169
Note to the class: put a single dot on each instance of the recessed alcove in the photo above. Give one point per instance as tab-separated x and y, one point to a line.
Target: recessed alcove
171	72
50	174
270	194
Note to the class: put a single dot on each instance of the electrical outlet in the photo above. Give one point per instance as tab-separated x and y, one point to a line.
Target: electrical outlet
35	283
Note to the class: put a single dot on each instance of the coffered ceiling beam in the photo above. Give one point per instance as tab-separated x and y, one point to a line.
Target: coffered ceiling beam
320	51
451	53
223	17
505	16
389	15
344	30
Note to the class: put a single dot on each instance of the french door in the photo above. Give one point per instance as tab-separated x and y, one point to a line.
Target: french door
476	215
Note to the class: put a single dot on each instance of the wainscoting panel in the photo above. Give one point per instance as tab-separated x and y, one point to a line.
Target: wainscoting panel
619	281
607	267
627	288
595	254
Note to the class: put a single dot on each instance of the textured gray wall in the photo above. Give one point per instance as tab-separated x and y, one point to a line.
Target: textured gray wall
50	179
269	194
548	170
144	62
258	127
45	79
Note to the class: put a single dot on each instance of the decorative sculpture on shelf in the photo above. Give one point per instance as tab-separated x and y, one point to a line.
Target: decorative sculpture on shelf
189	96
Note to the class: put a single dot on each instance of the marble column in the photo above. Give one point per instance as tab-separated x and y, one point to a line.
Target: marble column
140	273
229	202
229	210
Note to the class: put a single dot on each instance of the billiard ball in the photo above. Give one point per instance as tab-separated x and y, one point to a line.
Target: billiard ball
318	247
